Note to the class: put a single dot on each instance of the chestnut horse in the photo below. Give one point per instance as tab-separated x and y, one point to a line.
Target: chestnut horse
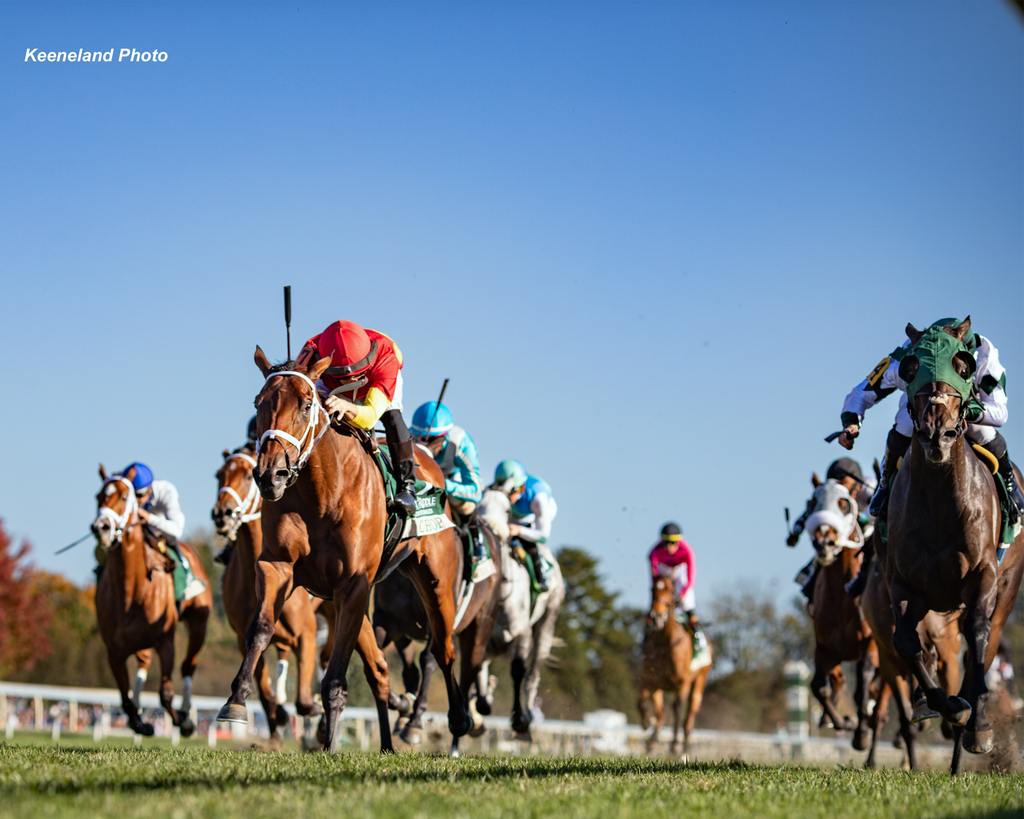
667	654
841	633
944	532
135	605
236	517
324	529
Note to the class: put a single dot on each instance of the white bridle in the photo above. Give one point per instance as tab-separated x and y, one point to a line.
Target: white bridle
304	444
251	507
119	522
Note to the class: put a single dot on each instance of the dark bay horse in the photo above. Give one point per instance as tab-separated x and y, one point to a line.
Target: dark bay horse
236	517
667	655
324	529
399	616
944	531
841	633
135	605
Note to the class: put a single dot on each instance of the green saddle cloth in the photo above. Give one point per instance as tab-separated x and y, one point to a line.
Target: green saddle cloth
429	498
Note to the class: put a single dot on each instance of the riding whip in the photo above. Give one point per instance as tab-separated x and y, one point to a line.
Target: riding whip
830	438
789	531
288	317
440	398
84	537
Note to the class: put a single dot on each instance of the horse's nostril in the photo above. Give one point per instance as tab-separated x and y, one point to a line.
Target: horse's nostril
281	473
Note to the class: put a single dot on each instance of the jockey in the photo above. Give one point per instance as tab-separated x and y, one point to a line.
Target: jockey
455	452
160	512
673	557
986	411
533	511
848	473
363	385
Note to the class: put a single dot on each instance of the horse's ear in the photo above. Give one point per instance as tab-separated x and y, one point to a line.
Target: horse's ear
103	472
913	333
815	480
130	474
317	368
262	361
963	329
225	454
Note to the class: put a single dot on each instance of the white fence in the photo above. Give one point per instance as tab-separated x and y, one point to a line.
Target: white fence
96	711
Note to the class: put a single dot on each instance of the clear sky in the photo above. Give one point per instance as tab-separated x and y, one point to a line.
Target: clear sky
652	244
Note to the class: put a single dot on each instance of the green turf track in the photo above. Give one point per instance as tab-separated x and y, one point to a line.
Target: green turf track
189	782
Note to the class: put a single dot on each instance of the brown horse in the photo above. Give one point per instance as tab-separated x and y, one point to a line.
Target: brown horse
236	517
135	605
944	522
324	529
937	631
667	654
841	633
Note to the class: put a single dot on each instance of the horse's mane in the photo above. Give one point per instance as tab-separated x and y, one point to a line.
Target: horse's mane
282	367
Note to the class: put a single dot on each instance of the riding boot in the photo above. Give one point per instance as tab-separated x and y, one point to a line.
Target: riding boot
403	458
538	563
997	446
855	588
896	446
700	642
224	555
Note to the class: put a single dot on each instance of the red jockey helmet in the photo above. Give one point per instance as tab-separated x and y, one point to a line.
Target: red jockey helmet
350	349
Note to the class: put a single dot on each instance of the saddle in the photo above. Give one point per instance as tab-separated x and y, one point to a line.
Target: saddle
160	556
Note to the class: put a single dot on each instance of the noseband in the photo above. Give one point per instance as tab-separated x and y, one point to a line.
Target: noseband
961	420
304	444
121	523
247	509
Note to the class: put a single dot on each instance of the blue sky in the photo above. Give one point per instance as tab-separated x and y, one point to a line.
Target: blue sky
652	245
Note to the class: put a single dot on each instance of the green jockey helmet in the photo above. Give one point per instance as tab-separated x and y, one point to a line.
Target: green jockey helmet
930	360
509	475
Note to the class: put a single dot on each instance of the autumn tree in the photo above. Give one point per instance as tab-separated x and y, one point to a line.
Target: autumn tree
25	615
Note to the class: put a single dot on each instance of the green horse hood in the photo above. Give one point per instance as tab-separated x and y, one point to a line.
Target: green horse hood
931	360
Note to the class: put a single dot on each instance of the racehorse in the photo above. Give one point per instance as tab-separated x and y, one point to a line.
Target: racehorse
236	517
399	617
944	533
324	529
840	632
135	605
938	631
526	627
666	666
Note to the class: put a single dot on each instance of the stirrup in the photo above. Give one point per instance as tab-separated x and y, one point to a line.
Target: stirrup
405	501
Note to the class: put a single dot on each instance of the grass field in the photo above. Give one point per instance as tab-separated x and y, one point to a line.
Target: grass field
40	780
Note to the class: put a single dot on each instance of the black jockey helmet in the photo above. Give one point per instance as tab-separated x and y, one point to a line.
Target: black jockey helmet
671	530
250	434
843	468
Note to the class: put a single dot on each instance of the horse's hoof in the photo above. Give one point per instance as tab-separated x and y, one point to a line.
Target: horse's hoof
674	749
478	728
848	724
979	741
946	729
321	732
923	712
411	735
861	738
143	729
400	724
306	709
459	724
281	718
521	723
454	753
483	706
524	736
233	712
958	711
185	725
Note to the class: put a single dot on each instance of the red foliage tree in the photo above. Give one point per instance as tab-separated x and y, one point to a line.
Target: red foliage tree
24	612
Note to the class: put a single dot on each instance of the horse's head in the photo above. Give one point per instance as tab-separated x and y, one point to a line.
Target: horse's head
116	507
238	497
663	594
833	525
288	415
493	511
938	370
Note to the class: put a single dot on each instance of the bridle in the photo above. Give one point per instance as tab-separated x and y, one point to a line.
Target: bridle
120	523
246	509
961	420
305	443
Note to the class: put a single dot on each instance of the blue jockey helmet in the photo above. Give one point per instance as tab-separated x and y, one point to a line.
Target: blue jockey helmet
143	478
431	420
509	475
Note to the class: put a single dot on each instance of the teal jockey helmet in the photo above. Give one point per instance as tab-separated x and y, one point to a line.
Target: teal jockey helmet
509	475
431	420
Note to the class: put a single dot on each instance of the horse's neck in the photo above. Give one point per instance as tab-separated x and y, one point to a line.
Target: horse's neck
250	539
849	562
942	485
333	468
129	565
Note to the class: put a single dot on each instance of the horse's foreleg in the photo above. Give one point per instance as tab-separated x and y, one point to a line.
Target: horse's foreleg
165	653
877	721
266	694
350	601
306	654
979	736
693	708
375	668
196	622
412	733
119	668
866	668
901	695
681	693
144	659
908	611
521	716
823	668
435	590
273	584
